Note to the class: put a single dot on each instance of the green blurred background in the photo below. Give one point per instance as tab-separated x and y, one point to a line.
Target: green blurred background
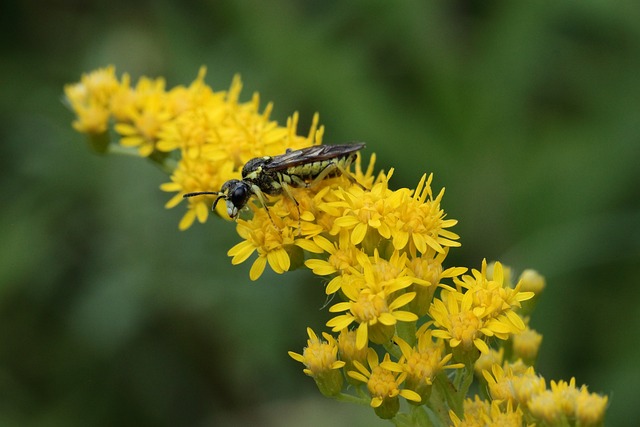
528	113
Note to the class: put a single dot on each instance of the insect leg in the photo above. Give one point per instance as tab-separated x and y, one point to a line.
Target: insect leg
263	200
342	166
328	170
344	170
287	189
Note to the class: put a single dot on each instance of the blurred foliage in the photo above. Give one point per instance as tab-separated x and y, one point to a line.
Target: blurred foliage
526	111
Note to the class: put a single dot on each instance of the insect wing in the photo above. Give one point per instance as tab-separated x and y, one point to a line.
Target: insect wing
312	154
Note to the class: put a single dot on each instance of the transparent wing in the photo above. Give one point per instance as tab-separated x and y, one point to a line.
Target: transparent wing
311	154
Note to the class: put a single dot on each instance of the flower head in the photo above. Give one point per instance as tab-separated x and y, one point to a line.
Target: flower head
480	413
493	297
456	322
526	345
364	212
375	313
590	408
90	99
506	384
383	382
423	362
343	258
374	300
419	221
271	241
321	362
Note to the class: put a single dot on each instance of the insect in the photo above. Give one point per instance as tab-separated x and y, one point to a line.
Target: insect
302	168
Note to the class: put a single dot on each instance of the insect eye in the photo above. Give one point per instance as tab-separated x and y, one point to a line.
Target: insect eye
238	196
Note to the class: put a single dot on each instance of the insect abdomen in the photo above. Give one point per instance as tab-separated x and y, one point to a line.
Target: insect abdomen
309	171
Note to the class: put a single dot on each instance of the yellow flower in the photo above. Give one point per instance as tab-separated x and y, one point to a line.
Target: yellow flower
493	297
526	345
427	271
142	120
543	407
423	362
386	275
90	99
420	222
300	214
481	414
372	303
343	258
457	323
474	410
193	175
532	281
271	243
349	352
565	394
590	408
219	134
321	362
487	360
376	315
383	382
363	210
506	384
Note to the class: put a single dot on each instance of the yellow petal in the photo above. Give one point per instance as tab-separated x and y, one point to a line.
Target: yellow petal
173	201
387	319
309	246
279	260
334	285
170	186
297	357
481	345
434	244
241	252
320	267
358	233
402	300
347	221
362	336
257	268
202	212
339	323
376	402
410	395
187	220
400	239
358	376
324	243
130	141
341	306
405	316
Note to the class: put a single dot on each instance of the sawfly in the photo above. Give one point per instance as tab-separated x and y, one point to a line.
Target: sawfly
273	175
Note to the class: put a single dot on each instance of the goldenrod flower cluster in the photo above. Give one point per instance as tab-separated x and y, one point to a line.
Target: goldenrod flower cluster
405	327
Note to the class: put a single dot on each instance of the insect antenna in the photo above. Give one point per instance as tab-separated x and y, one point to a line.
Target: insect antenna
206	193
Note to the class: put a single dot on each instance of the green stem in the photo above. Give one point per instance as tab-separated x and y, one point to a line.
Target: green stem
392	349
443	397
460	388
123	151
407	331
349	398
424	416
